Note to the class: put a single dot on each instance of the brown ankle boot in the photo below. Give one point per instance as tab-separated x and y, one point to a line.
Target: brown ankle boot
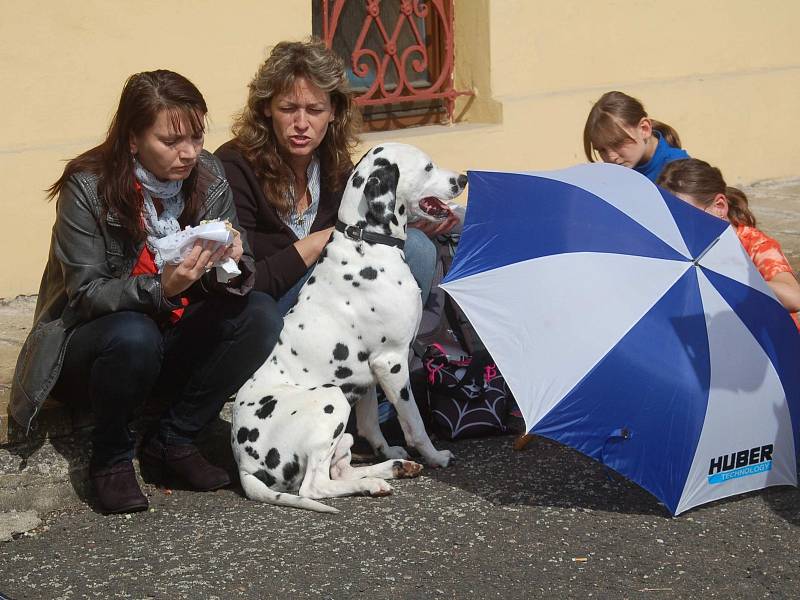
162	463
116	488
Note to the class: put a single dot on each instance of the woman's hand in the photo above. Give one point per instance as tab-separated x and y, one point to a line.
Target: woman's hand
310	247
432	228
178	278
235	250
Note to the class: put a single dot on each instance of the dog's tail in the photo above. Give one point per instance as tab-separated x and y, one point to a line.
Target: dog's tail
255	489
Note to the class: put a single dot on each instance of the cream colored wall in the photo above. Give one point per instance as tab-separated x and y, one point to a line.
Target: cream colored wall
725	74
63	65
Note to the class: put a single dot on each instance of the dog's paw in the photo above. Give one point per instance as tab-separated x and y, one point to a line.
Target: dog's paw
440	458
394	453
406	469
376	487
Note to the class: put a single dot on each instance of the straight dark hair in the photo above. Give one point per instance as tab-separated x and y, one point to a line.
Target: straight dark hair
144	96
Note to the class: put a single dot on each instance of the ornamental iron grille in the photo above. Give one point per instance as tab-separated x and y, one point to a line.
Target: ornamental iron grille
400	54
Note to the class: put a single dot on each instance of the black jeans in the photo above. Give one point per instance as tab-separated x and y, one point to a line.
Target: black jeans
118	360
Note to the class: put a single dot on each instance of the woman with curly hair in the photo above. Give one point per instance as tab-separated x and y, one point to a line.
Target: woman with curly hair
289	161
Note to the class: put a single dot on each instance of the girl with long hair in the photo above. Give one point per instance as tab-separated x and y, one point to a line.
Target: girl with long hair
701	185
289	161
114	324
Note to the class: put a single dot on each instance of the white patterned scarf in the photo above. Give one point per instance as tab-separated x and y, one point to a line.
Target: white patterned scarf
166	223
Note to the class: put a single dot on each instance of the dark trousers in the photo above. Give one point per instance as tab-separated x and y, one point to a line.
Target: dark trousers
118	360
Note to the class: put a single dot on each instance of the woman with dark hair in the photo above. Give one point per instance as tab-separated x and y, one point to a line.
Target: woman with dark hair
288	164
115	324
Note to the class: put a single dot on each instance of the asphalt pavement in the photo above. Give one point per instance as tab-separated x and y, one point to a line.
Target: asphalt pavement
542	523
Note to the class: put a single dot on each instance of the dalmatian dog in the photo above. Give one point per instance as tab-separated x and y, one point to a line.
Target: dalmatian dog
350	329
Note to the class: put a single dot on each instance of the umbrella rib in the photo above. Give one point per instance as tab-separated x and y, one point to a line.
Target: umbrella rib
704	252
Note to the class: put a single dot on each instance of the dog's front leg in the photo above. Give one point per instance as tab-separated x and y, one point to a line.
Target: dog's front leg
392	374
368	427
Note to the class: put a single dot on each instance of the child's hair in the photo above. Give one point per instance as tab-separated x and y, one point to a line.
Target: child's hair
701	181
604	126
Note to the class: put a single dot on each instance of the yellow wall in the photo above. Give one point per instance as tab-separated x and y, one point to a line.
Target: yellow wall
724	73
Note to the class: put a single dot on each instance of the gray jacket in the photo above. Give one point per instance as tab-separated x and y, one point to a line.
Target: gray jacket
88	274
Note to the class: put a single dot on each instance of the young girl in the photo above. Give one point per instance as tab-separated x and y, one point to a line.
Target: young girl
702	186
620	132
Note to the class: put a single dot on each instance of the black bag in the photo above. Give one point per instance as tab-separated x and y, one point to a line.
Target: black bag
467	397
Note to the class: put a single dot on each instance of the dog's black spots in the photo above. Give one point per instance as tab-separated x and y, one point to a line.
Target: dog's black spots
343	373
377	207
358	181
301	326
383	340
347	388
265	478
404	393
372	309
241	403
251	452
360	390
305	370
344	262
294	351
399	283
308	298
274	360
311	280
398	464
268	405
368	273
347	277
328	385
291	310
378	150
455	189
277	496
341	352
395	369
281	371
381	269
429	166
352	325
347	302
452	181
394	220
251	404
280	343
338	430
273	458
291	469
246	435
329	408
294	412
311	389
362	356
356	284
462	180
324	253
359	337
402	210
330	362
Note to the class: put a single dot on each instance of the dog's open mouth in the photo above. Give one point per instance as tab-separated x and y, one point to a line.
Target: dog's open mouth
434	208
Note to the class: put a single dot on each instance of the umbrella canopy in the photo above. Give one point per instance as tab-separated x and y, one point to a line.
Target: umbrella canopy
634	328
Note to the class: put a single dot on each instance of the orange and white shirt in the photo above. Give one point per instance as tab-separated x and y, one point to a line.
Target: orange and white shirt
766	254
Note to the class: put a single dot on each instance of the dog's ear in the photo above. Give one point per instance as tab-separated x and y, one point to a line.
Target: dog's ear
380	191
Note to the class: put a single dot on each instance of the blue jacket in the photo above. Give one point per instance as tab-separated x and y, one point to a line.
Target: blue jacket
664	154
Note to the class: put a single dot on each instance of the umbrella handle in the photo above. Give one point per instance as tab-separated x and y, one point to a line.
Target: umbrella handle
621	434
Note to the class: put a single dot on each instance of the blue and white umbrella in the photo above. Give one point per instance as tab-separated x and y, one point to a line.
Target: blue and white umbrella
633	327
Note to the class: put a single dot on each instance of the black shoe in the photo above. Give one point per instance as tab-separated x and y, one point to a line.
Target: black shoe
160	463
116	488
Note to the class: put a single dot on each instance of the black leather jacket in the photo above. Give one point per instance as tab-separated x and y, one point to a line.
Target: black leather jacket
88	274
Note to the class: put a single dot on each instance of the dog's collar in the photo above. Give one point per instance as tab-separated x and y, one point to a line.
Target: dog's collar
358	234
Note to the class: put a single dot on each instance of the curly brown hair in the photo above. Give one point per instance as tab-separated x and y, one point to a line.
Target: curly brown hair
252	129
